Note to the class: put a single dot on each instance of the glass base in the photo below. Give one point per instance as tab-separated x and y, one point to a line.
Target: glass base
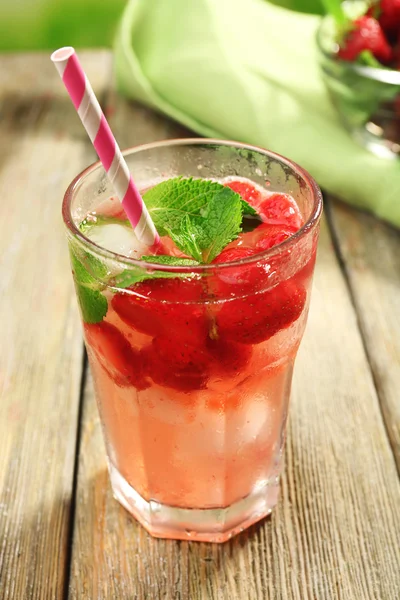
202	525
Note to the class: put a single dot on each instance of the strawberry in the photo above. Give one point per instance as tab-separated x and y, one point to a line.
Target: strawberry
232	254
115	354
237	278
163	306
247	242
389	17
248	192
275	209
176	364
256	318
367	34
281	209
250	277
274	235
231	358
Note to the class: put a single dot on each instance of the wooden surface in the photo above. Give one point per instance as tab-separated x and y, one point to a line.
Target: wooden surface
335	533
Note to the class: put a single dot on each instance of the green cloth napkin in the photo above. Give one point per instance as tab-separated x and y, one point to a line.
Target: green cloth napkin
247	70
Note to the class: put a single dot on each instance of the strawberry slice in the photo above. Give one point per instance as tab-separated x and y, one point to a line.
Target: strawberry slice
164	306
247	191
116	355
367	34
257	318
281	209
250	277
176	364
275	209
230	358
274	235
234	253
235	279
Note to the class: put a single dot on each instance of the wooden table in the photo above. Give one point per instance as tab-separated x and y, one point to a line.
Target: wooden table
336	531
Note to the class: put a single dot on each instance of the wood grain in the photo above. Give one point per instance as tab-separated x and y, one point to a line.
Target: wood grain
335	532
42	147
370	250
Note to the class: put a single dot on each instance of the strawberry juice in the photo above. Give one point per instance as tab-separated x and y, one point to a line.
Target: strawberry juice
191	344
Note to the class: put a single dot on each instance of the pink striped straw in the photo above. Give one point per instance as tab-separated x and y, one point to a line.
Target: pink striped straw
95	123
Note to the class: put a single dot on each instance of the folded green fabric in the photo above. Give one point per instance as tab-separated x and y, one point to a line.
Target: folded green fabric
247	70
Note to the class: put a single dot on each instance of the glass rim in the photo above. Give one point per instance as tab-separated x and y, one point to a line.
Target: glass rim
382	75
310	224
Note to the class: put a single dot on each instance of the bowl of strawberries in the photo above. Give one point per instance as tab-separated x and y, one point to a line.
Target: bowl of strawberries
359	55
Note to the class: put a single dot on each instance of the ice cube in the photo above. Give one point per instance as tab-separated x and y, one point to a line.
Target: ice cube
117	238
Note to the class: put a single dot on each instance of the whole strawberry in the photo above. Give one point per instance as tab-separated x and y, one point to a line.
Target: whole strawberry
366	34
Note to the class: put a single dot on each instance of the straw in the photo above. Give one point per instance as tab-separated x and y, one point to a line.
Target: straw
95	123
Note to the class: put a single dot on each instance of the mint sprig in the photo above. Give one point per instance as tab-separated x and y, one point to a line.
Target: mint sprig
138	274
92	302
199	215
165	259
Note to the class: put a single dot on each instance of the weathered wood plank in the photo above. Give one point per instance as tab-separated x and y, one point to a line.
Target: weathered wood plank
371	254
135	124
42	147
334	534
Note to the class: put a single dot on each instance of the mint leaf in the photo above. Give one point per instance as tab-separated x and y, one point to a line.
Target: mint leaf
92	302
137	274
201	216
186	238
247	209
94	267
164	259
131	276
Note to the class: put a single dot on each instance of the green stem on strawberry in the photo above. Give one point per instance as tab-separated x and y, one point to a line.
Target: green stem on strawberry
367	58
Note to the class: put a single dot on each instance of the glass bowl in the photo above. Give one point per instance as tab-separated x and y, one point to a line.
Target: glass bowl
366	98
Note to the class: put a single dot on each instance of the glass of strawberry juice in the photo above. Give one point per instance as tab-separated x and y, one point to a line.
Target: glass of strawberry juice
192	365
